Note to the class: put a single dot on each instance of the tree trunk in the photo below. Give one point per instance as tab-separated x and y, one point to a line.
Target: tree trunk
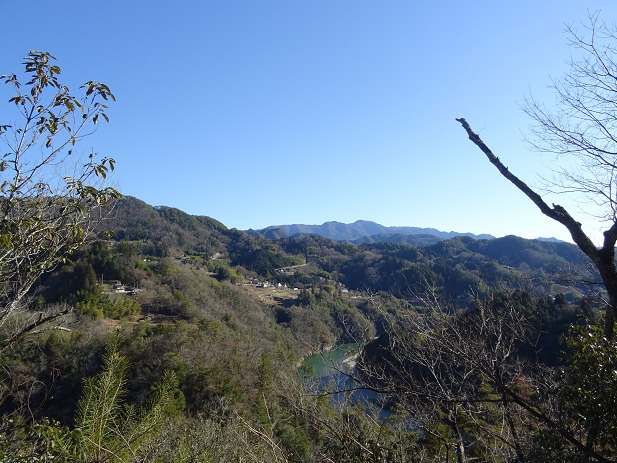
608	272
458	436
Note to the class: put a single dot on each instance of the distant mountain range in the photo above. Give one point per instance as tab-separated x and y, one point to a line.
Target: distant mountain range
364	231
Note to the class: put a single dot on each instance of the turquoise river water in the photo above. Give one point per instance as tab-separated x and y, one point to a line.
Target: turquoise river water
334	370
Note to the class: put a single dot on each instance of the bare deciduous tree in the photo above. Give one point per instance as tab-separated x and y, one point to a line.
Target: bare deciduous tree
473	385
582	129
445	371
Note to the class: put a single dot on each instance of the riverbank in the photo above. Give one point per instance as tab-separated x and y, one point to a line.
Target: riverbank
351	361
340	359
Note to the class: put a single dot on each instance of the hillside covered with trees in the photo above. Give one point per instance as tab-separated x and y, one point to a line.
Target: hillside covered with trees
221	320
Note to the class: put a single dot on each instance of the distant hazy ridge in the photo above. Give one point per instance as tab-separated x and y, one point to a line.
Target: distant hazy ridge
363	231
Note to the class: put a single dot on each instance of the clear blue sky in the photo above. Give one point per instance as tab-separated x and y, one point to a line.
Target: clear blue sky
265	112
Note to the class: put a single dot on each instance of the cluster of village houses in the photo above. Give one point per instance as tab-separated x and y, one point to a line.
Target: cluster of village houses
116	286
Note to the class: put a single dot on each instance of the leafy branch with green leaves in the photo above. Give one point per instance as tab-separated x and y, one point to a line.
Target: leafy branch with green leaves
51	198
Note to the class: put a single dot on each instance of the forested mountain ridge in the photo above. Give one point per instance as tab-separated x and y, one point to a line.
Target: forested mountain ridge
353	232
458	266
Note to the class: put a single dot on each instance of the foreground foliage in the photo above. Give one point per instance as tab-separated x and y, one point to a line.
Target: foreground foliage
474	383
106	428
